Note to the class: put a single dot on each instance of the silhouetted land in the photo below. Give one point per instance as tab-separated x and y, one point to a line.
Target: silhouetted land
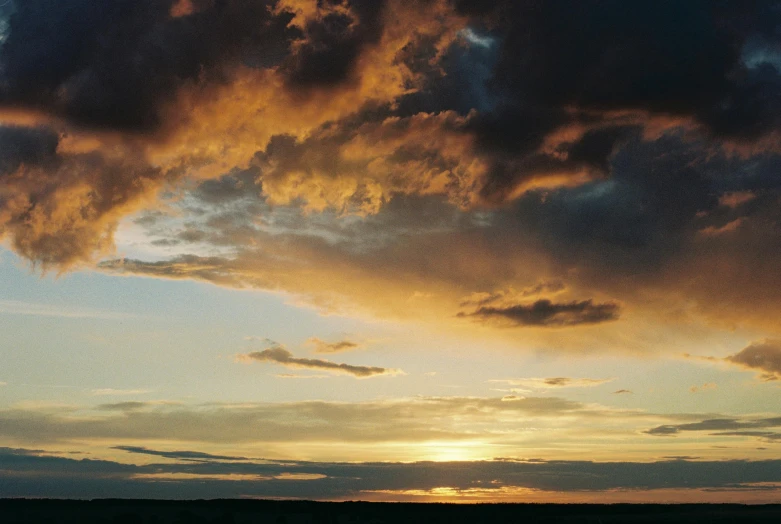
112	511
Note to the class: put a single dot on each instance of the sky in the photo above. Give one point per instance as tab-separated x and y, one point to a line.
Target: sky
420	250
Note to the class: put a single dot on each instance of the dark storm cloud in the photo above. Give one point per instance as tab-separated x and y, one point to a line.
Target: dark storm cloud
606	67
543	312
656	190
334	43
671	58
28	474
29	146
112	64
597	138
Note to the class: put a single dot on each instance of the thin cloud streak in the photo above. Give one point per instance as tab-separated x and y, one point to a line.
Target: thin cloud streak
282	356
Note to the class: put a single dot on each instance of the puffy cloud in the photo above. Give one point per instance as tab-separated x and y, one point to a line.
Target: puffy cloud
60	208
280	355
433	123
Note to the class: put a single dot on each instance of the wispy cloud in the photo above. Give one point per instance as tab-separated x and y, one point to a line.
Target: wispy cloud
555	382
322	346
17	307
118	392
705	387
279	355
182	455
295	376
745	427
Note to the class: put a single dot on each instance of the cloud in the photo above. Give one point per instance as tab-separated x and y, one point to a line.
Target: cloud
555	382
622	392
721	425
181	455
119	392
280	355
123	406
705	387
410	420
545	50
764	356
18	307
294	376
543	312
322	346
527	157
28	474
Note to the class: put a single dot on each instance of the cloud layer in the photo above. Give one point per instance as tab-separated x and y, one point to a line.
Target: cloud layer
26	474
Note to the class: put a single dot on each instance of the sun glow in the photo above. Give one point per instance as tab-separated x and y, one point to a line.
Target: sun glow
455	450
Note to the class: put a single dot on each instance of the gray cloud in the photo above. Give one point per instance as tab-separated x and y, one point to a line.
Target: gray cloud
718	424
764	356
545	313
27	473
280	355
183	455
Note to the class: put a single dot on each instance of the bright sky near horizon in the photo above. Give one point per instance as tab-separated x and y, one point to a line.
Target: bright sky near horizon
391	250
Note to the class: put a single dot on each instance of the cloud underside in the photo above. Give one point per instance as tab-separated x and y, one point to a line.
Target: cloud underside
388	155
29	474
282	356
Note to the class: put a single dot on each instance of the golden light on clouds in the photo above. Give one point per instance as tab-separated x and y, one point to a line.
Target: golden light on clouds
546	244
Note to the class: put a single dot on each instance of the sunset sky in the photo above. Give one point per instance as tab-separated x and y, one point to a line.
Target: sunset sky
424	250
